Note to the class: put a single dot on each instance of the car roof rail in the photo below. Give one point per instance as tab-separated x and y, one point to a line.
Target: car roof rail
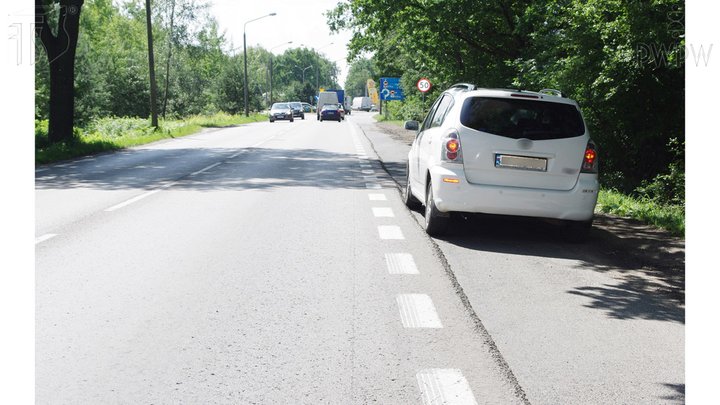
552	92
463	86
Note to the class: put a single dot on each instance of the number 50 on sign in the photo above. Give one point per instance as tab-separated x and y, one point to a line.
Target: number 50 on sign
423	85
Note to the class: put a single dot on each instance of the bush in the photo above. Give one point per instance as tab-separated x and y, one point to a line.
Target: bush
41	134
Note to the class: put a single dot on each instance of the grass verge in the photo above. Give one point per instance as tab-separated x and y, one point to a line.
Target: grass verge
671	218
381	118
117	133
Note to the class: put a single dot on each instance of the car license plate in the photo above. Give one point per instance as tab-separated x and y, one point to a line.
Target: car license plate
521	162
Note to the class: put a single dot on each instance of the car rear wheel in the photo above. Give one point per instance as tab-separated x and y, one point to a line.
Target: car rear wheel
436	222
409	200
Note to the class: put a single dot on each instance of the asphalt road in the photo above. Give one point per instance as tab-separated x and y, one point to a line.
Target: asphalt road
268	263
275	263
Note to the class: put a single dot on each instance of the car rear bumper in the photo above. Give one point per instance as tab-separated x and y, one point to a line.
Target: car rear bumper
577	204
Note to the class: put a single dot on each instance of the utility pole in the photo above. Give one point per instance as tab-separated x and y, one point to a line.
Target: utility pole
151	62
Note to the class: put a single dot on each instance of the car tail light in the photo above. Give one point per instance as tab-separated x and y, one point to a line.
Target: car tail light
451	147
589	164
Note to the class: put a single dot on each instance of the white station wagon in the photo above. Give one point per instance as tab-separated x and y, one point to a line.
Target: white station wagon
504	152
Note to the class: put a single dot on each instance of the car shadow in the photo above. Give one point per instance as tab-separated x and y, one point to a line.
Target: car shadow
646	286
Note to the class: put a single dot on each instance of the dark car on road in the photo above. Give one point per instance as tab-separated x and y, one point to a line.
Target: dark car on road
330	112
297	108
281	111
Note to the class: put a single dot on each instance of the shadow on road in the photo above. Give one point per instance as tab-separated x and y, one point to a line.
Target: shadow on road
254	168
650	282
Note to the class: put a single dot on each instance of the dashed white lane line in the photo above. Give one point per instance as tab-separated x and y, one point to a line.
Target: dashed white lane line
373	186
390	232
401	263
205	169
383	212
445	386
149	193
44	237
377	197
418	311
140	197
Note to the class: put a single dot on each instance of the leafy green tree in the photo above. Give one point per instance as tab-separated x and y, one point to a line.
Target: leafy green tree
360	71
623	61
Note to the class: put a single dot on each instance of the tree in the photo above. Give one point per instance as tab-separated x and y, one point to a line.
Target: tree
623	61
151	64
360	71
60	49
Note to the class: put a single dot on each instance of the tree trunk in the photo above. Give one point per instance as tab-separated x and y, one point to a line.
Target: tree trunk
60	51
151	63
167	67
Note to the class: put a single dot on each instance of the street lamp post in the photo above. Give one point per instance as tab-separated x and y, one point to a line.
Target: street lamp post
317	70
303	71
247	113
271	70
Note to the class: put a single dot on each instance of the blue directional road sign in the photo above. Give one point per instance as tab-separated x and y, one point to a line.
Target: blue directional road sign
390	89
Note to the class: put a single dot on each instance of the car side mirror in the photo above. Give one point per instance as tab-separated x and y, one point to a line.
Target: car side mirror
412	125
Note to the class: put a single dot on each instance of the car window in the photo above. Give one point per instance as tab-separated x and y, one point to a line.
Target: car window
280	106
442	111
430	114
511	118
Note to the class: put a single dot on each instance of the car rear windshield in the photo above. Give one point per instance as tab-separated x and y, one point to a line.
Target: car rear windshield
515	118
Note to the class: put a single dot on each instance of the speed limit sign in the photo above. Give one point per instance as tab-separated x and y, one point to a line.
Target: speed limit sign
423	85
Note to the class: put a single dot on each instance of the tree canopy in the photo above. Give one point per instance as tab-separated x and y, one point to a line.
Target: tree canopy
197	69
623	61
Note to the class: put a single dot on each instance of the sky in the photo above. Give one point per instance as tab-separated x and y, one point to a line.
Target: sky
301	22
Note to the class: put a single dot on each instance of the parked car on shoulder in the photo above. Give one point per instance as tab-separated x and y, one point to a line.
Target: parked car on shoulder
330	112
297	109
503	152
281	111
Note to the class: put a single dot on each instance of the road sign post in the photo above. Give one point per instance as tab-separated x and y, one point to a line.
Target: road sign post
423	85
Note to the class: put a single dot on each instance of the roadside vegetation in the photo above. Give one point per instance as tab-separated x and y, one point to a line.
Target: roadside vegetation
665	216
115	133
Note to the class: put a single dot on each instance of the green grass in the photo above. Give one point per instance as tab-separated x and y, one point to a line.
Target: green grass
669	217
381	118
116	133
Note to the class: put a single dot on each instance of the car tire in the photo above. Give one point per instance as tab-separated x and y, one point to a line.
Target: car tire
436	222
271	121
302	116
409	200
576	231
